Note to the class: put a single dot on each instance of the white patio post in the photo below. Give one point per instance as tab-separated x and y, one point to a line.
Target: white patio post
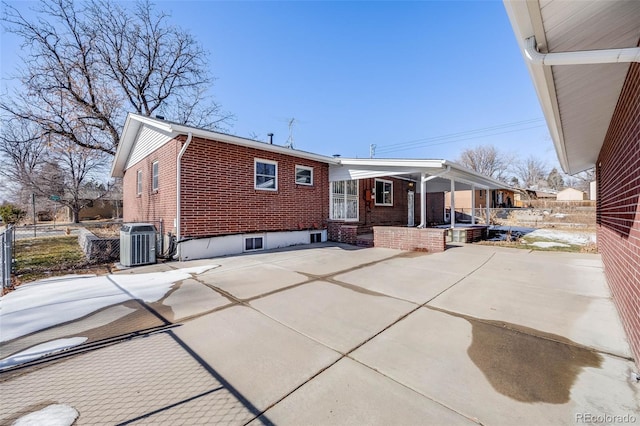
423	200
453	203
487	207
473	204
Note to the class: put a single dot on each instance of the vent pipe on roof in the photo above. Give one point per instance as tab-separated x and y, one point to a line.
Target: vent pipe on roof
581	57
270	138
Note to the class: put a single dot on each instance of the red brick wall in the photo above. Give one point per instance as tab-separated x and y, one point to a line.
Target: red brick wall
218	195
414	239
618	212
342	232
371	214
152	206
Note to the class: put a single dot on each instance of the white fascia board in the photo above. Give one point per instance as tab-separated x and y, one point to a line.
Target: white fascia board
414	164
525	25
464	174
125	144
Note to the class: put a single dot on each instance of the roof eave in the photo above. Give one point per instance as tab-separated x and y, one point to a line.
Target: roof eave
526	22
135	121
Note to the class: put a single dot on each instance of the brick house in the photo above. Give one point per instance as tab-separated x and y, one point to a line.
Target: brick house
219	194
583	60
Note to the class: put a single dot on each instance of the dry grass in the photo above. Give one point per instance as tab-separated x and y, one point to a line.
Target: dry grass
106	231
38	258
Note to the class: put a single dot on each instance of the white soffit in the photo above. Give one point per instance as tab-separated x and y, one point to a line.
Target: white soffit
578	100
587	94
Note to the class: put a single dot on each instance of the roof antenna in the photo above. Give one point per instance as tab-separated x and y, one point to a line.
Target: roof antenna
289	143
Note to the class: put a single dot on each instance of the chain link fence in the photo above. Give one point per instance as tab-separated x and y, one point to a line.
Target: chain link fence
38	251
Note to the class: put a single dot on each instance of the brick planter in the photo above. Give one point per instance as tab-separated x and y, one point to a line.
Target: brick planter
412	239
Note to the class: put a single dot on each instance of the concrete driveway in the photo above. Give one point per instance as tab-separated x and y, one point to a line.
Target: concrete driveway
330	334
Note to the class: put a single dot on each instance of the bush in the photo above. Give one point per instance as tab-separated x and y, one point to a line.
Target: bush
11	214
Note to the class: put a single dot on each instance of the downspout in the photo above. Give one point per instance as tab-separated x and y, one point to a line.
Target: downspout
581	57
178	176
423	194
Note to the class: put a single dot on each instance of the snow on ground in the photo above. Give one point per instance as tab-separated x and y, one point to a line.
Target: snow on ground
53	415
566	237
43	304
548	244
41	350
576	238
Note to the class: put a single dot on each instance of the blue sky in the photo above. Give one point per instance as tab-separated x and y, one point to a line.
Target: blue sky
359	73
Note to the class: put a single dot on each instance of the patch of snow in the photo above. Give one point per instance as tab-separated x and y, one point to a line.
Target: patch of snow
576	238
548	244
43	304
521	229
156	284
52	415
41	350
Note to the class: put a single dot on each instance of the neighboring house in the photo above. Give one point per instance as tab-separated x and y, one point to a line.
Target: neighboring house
94	209
583	60
571	194
221	194
498	198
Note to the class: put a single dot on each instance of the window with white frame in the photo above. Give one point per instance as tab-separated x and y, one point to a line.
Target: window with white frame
266	175
344	200
155	175
139	182
304	175
384	192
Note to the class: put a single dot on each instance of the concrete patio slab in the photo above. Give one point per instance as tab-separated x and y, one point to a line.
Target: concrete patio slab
349	393
157	267
398	278
115	320
330	260
456	259
250	281
497	376
189	298
488	349
338	317
572	272
261	358
121	383
589	320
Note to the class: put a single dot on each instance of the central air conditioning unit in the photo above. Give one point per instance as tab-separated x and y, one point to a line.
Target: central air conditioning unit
137	244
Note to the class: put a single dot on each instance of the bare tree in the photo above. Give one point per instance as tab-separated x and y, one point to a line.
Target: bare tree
531	172
88	65
52	167
23	149
581	180
486	160
72	174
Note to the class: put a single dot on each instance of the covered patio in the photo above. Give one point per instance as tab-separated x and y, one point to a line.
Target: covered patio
425	177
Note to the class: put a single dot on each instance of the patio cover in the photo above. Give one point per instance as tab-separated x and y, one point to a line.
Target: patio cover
439	173
433	176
